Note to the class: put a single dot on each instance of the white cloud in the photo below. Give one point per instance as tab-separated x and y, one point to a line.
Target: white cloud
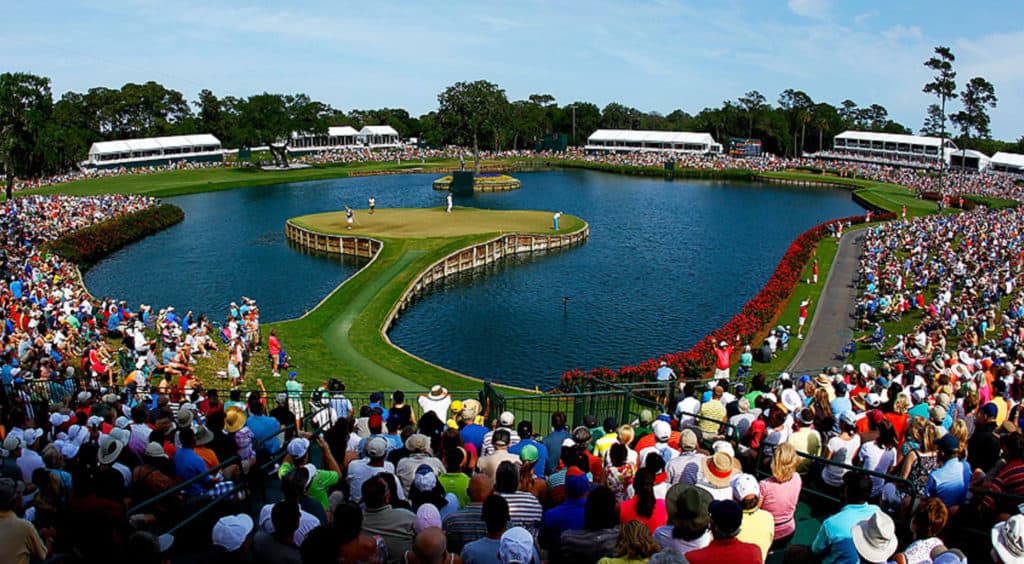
901	32
816	9
861	18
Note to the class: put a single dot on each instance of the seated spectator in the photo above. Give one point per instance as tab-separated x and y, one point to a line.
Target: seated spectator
600	530
1010	479
231	542
758	526
879	455
426	490
841	448
526	438
430	547
688	519
834	541
726	520
716	473
524	509
361	470
495	517
321	480
529	482
949	482
875	538
278	546
644	506
929	520
454	480
568	515
634	545
380	519
685	468
517	547
1008	541
19	540
500	453
420	454
353	545
466	525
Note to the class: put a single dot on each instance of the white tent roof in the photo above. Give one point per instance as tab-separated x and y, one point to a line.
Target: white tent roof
639	136
345	131
891	138
1010	159
377	130
153	143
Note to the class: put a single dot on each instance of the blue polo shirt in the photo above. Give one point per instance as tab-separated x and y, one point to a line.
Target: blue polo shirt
474	434
263	427
567	516
553	444
835	537
542	455
949	482
188	465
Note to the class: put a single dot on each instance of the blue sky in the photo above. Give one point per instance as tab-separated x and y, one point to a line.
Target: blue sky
654	55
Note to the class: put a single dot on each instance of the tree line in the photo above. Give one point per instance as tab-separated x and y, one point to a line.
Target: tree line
40	135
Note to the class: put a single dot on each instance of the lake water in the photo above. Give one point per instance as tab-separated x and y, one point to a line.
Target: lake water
667	262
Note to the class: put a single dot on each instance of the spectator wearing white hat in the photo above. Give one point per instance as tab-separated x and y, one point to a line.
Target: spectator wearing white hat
320	480
231	539
758	525
438	400
516	547
30	459
418	446
361	470
505	421
875	538
1008	541
842	448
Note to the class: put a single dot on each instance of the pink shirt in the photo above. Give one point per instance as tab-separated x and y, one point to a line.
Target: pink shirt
723	355
273	346
780	500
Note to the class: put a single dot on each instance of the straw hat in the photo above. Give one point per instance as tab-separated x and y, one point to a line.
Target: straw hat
234	419
437	393
719	469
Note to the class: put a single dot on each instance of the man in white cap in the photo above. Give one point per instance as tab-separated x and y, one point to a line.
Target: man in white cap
758	525
361	470
30	459
723	358
438	401
664	374
662	432
231	537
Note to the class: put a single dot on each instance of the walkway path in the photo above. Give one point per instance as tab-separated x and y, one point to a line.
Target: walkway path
832	327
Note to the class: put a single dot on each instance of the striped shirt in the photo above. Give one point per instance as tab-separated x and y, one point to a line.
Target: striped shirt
524	511
464	526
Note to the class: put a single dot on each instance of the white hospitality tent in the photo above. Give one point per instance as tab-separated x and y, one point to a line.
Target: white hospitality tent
379	136
154	150
337	137
893	146
969	159
624	140
1012	163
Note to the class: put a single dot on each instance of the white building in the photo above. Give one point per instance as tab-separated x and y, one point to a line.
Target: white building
632	140
969	159
1011	163
335	138
888	147
154	151
379	136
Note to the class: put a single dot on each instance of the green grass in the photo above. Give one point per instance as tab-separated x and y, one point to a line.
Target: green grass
408	223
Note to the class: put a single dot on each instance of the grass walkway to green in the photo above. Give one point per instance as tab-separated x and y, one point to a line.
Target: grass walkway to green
343	336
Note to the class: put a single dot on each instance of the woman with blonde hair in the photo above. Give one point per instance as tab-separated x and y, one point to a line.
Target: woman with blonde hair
635	545
959	430
781	493
626	435
899	416
920	460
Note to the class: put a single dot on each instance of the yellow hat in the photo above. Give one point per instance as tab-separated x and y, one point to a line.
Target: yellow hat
456	406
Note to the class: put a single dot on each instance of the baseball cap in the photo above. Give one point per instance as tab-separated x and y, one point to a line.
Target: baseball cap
948	443
744	485
376	447
576	483
425	479
646	416
506	419
848	417
581	435
13	442
726	515
873	400
529	453
282	398
687	439
298	447
990	409
516	546
230	531
501	437
293	374
662	430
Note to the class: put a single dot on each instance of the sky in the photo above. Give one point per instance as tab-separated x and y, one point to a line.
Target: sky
656	55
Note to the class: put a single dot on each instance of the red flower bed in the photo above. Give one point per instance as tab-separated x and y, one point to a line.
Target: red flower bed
751	324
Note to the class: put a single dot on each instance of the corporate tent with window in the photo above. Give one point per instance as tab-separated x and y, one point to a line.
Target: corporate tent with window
629	140
153	151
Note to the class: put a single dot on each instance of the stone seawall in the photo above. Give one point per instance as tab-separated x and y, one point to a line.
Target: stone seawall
462	260
796	182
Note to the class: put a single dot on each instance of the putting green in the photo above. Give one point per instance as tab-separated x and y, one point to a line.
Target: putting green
345	335
421	223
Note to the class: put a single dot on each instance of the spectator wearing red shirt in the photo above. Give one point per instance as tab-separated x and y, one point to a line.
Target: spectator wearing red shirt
723	356
274	350
726	518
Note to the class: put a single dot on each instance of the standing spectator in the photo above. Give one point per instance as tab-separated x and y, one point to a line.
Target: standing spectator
780	493
294	389
495	517
438	401
726	520
274	351
983	446
569	514
553	442
841	448
834	541
723	358
526	438
359	471
524	509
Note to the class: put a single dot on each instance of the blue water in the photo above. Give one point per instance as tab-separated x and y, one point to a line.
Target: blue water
666	263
